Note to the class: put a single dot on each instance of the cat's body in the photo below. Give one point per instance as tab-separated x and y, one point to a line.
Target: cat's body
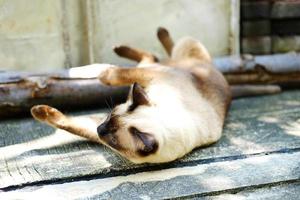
174	106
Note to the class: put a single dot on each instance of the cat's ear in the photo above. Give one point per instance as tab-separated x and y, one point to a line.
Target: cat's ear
138	96
148	144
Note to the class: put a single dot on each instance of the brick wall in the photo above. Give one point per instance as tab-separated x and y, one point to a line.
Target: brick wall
270	26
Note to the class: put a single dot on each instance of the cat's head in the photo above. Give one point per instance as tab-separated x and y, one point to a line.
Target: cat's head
131	128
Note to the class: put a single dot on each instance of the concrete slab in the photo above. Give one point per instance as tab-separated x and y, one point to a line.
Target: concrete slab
32	153
191	181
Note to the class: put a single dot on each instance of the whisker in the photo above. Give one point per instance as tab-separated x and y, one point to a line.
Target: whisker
111	101
107	104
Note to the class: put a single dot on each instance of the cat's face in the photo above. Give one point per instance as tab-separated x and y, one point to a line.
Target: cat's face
129	128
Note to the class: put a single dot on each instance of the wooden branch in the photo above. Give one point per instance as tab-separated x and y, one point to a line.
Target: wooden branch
277	63
282	69
74	88
79	87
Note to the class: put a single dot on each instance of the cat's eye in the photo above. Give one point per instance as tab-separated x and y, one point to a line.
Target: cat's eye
150	145
133	130
114	140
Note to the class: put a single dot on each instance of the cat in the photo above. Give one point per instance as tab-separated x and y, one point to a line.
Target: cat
173	105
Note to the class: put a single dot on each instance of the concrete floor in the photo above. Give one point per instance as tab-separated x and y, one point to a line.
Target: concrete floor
256	158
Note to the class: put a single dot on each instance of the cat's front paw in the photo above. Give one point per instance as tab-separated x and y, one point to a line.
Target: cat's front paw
47	114
109	76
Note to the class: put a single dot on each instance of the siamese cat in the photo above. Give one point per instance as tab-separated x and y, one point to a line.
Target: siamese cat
173	106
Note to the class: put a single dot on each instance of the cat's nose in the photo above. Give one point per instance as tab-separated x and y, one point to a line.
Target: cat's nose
102	129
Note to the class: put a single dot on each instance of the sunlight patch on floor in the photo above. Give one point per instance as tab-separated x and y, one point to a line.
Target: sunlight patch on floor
292	128
269	119
59	137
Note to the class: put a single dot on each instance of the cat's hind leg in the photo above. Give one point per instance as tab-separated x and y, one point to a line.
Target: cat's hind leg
165	39
134	54
82	126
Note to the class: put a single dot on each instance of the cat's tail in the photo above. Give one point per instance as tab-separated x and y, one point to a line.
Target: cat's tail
190	48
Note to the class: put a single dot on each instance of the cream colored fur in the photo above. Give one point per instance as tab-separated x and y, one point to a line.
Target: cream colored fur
189	48
180	116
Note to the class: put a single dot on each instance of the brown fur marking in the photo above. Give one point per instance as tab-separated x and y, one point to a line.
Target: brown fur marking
55	118
165	39
47	113
149	144
135	54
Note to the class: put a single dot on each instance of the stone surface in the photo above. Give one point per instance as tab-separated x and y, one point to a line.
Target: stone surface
286	27
255	9
256	28
262	9
285	9
49	35
119	22
199	180
282	191
32	153
256	45
285	44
